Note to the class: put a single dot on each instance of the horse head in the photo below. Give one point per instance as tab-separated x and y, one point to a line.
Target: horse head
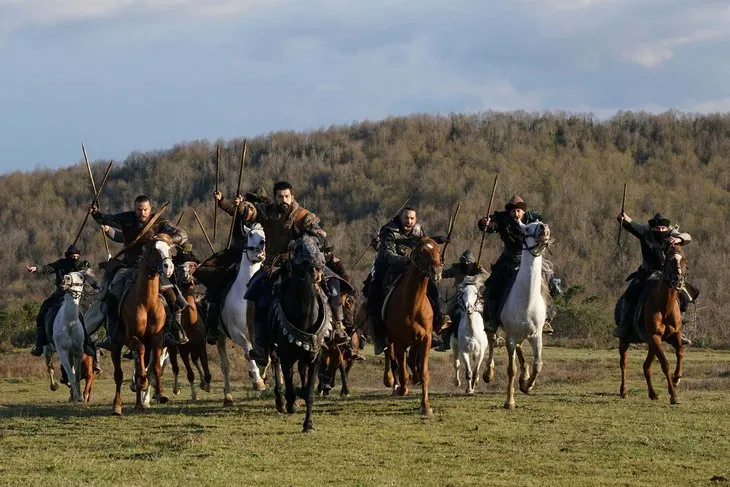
307	261
426	256
469	295
255	243
536	237
185	273
675	266
157	255
73	284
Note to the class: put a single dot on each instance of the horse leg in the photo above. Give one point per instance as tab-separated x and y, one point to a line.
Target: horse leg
185	356
536	343
623	348
309	396
157	364
118	377
489	371
226	370
423	348
455	355
511	369
66	363
524	373
88	364
647	370
467	372
400	360
478	359
48	355
665	368
204	368
679	353
142	384
253	369
345	378
175	371
388	377
278	397
303	369
290	393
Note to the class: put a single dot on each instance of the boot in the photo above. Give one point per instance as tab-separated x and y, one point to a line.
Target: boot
111	323
182	337
443	323
97	357
40	341
619	331
547	328
211	323
338	332
686	341
260	351
445	345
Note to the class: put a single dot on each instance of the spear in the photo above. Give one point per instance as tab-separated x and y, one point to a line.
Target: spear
489	210
205	234
451	229
217	176
180	218
238	192
621	223
93	187
375	239
93	202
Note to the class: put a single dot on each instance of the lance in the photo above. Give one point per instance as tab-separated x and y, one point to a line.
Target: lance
238	192
376	238
93	187
93	202
205	234
621	223
451	229
489	210
144	231
217	177
179	219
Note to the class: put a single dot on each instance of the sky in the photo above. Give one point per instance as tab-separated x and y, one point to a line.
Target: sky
137	75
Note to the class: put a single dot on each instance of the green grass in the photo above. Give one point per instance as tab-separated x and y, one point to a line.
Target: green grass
572	430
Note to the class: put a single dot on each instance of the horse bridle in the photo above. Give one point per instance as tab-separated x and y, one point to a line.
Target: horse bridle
428	270
677	282
71	289
540	246
157	267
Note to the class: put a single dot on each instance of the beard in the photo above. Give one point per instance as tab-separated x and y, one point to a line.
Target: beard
283	208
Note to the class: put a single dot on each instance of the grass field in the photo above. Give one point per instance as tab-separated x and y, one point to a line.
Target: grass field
572	430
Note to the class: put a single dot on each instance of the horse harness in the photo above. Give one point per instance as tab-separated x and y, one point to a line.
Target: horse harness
310	342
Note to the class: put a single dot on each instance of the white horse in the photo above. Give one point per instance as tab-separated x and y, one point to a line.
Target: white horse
524	312
234	318
67	337
470	344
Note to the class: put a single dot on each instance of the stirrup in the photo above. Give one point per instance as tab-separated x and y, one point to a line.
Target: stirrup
258	355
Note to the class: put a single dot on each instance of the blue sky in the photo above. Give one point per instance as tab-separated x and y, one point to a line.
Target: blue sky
126	75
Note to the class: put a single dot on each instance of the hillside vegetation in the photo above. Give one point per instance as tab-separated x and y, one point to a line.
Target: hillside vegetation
571	168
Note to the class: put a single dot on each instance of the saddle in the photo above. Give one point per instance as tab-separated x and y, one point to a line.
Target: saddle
390	280
635	317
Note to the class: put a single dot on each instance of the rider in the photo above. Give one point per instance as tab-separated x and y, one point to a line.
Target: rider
283	221
506	223
334	265
398	238
70	263
466	267
654	238
117	271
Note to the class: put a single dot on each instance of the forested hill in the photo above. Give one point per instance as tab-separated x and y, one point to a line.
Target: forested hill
570	168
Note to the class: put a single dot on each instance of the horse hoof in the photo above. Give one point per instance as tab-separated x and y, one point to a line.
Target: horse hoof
344	395
509	405
673	400
163	399
54	387
426	412
653	396
488	376
291	409
139	409
470	392
259	386
205	386
227	402
308	429
117	410
176	390
624	394
457	382
676	381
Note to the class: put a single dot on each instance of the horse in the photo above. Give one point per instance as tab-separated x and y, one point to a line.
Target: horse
195	349
142	321
67	339
301	318
525	309
339	358
236	319
409	321
662	321
470	344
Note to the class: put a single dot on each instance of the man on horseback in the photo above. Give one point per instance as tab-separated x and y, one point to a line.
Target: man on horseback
132	224
504	270
398	238
69	263
466	267
654	239
283	221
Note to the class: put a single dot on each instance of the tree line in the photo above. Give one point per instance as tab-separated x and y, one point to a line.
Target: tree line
569	167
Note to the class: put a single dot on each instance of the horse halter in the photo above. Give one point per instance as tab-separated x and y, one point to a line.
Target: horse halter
154	259
673	272
70	286
430	269
540	243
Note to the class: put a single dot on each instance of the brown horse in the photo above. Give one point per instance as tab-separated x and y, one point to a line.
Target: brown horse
662	321
194	328
409	320
142	320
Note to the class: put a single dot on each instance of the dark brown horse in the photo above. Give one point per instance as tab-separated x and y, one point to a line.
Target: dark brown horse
341	357
142	321
662	321
409	320
195	351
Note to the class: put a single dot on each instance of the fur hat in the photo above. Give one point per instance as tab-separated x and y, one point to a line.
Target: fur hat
71	250
515	202
467	257
659	221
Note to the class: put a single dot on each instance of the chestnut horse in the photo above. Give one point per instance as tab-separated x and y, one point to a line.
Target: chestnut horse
662	321
142	320
194	352
409	320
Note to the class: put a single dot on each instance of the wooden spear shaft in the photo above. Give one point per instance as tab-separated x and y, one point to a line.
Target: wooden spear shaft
489	210
238	192
93	202
217	177
621	223
93	187
205	234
